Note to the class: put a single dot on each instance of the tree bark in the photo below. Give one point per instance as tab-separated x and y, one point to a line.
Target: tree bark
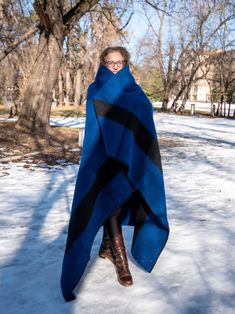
174	105
1	12
38	96
60	89
165	98
68	87
181	108
77	87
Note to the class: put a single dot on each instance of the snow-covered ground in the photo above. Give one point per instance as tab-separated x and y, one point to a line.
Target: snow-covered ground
195	273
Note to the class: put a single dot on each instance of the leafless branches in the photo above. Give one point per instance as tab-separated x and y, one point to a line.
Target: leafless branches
181	55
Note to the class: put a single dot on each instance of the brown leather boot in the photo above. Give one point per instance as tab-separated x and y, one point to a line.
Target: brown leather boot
114	232
105	250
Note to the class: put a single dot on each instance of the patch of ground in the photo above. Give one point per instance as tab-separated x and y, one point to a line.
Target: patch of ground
17	145
59	146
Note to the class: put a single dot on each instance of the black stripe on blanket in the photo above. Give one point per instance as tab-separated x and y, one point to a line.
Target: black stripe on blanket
81	215
142	136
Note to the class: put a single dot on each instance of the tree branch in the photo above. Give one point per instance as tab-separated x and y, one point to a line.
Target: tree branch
156	7
43	16
24	37
78	10
75	13
127	22
112	23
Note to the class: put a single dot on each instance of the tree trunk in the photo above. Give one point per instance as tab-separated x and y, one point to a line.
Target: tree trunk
174	105
164	103
77	87
60	89
166	96
219	108
38	96
181	108
229	109
68	87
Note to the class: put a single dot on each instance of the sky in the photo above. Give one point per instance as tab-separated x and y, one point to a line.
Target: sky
137	30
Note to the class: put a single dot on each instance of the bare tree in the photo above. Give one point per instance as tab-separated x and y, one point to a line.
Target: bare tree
223	62
222	77
180	56
15	67
53	24
57	18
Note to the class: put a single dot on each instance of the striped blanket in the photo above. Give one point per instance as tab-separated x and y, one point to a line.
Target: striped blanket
120	165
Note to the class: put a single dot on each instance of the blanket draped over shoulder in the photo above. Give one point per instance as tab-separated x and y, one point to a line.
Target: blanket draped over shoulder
120	165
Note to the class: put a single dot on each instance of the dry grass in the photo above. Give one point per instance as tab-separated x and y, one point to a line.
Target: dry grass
63	111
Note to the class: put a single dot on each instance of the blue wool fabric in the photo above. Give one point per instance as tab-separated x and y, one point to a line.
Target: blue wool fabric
120	166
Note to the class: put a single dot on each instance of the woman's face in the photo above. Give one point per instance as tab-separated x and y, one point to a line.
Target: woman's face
114	61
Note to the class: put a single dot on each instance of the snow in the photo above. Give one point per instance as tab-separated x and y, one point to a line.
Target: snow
199	106
196	271
69	122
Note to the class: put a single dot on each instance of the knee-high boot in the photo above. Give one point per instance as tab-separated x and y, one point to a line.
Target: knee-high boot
105	250
114	232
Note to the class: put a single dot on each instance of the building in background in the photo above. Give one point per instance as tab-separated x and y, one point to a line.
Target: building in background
215	79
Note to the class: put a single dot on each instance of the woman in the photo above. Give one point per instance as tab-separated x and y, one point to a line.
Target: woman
112	246
120	177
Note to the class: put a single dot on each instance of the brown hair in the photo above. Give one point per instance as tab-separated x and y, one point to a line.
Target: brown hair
122	50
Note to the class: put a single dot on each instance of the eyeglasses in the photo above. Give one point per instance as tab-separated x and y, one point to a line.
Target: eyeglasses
112	63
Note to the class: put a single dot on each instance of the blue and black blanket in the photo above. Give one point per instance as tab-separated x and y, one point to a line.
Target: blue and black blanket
120	165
